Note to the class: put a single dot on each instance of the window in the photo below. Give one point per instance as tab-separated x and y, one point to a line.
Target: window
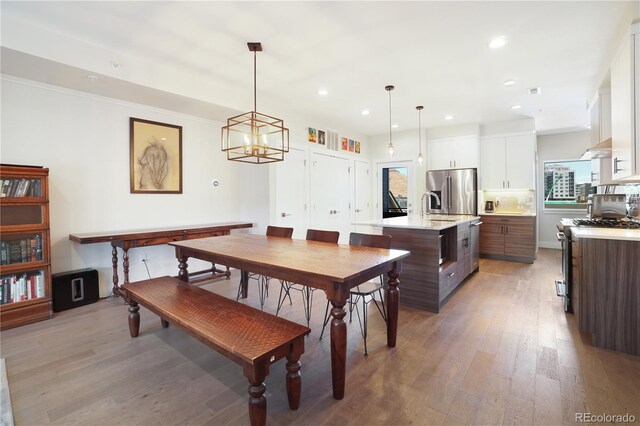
566	184
395	189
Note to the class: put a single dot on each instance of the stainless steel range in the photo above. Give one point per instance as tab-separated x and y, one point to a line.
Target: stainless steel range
564	284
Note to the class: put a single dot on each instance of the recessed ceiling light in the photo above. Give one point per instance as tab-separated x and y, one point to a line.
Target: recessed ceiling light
448	117
534	90
497	42
516	107
509	83
365	112
323	92
115	65
395	126
92	78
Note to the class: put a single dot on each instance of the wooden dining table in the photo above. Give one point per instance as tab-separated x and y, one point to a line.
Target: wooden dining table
334	268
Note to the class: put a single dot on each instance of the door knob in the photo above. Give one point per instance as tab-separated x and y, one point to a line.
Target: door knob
283	214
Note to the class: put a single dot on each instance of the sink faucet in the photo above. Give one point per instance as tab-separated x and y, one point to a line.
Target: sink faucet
426	196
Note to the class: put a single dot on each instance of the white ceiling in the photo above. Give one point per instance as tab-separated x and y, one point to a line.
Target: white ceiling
435	53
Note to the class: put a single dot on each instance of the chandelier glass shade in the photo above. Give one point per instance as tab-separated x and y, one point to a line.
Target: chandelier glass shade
254	137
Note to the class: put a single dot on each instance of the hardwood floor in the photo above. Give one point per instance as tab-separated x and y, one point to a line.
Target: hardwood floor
502	351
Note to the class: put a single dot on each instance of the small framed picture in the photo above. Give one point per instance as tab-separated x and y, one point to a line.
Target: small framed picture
357	147
155	155
321	137
345	144
312	135
352	145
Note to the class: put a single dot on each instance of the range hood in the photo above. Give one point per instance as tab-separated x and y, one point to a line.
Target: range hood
601	150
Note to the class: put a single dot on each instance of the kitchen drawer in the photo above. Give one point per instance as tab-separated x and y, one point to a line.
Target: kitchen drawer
449	280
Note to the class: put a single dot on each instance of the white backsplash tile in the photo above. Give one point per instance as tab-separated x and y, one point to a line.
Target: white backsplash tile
510	201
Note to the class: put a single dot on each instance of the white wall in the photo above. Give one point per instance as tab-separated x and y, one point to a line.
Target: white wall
84	141
564	146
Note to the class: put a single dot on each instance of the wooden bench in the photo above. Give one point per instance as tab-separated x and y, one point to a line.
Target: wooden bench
249	337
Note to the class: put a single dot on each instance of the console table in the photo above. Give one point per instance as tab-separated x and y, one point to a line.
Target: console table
153	237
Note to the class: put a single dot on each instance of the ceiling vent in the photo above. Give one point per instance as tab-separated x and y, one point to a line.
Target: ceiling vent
534	90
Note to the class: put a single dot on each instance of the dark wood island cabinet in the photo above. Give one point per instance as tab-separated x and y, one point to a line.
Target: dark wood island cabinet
428	284
606	291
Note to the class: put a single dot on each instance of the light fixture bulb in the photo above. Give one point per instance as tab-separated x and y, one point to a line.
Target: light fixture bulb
390	150
365	112
516	107
323	92
497	42
420	159
509	83
395	126
448	117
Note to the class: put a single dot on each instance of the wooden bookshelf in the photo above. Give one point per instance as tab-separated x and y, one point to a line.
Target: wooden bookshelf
25	246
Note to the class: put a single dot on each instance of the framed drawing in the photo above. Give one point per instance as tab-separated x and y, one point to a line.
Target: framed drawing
345	144
312	135
321	137
352	145
357	147
155	155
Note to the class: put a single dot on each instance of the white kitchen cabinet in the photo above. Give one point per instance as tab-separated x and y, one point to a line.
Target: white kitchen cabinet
453	153
625	91
508	162
600	115
601	171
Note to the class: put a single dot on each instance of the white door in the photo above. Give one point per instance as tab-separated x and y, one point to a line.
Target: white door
492	163
520	161
406	167
362	195
291	192
330	194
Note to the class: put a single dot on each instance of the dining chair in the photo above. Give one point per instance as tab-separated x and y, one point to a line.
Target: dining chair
366	291
263	281
307	292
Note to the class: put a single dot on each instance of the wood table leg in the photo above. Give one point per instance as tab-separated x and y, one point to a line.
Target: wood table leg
125	264
244	283
134	319
114	262
392	295
294	381
183	267
338	348
257	401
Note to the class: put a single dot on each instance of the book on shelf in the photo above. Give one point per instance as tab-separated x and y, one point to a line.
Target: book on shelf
19	187
21	251
21	287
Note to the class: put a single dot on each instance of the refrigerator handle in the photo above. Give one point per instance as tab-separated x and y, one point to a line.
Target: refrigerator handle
449	180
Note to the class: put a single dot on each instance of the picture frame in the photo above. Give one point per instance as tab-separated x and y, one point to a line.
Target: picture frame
357	147
321	137
155	157
345	144
312	135
352	145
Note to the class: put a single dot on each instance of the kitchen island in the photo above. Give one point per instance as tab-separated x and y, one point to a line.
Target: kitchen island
444	251
606	286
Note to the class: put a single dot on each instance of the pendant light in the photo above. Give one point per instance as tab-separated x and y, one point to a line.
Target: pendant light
254	137
420	159
390	147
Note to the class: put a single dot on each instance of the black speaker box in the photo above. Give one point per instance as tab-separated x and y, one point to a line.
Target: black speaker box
74	288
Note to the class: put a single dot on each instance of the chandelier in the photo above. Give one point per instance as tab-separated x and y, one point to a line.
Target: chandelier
254	137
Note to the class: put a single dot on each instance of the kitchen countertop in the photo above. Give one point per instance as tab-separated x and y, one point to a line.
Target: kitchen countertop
497	213
602	233
432	222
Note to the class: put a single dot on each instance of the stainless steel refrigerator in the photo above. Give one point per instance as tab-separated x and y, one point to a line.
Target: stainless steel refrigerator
456	191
